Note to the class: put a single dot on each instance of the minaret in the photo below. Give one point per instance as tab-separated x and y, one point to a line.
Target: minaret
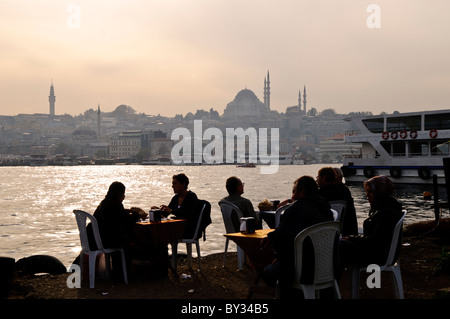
98	122
52	99
300	101
304	99
267	91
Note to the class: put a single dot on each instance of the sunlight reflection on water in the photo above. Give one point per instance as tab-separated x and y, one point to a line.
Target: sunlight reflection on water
37	202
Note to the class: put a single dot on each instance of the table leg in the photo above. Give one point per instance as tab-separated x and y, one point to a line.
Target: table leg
173	264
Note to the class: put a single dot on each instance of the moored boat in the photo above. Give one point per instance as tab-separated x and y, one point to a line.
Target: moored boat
407	147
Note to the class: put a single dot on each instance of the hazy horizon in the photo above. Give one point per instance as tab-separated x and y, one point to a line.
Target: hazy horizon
172	57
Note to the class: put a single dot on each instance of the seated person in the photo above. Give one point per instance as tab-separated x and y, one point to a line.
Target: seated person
350	224
385	212
326	179
115	224
235	189
183	205
308	209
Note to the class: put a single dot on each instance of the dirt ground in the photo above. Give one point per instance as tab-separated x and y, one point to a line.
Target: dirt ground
419	262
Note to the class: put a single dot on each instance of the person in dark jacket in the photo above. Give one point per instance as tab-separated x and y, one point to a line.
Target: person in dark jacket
235	189
115	223
308	209
332	191
385	211
183	205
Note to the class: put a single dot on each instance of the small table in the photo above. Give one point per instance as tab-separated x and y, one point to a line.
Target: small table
251	245
259	257
165	232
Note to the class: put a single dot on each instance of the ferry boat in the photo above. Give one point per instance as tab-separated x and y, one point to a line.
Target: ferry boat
407	147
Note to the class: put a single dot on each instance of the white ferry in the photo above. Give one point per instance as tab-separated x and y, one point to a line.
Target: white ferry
408	147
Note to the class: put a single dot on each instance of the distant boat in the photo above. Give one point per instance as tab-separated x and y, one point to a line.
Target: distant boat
408	147
38	160
246	165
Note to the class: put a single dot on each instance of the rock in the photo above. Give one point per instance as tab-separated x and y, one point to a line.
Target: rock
6	275
40	264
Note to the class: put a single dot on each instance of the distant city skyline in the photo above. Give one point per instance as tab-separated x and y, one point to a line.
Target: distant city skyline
173	57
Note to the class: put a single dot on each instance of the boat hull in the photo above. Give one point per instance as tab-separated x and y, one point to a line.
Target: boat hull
398	174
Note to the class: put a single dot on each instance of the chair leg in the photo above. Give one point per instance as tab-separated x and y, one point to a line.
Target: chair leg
81	264
225	253
189	254
197	244
336	290
277	290
92	259
355	282
397	282
174	255
124	266
309	291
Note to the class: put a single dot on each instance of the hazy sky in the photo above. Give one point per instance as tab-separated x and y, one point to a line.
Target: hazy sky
175	56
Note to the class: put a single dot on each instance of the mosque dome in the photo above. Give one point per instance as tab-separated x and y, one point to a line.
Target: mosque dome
245	104
246	94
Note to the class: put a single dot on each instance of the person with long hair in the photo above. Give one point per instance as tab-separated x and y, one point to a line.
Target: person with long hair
115	223
372	247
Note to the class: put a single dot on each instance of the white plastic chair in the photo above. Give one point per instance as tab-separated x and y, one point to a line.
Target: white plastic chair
335	215
323	238
190	241
391	265
339	206
81	218
279	212
227	209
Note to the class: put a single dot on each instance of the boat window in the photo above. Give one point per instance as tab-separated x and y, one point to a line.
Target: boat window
395	148
439	147
407	123
437	121
387	147
375	125
398	149
418	148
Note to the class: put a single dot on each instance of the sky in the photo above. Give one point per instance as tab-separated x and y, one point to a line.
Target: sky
172	57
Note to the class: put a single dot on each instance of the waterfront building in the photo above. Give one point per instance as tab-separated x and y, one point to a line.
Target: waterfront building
126	145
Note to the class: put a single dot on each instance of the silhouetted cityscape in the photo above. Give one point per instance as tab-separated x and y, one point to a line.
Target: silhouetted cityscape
126	136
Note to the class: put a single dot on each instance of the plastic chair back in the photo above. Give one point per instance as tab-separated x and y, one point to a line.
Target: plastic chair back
227	209
396	236
339	206
323	238
203	204
279	212
81	218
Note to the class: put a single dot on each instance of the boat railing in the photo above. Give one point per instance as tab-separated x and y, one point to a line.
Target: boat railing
359	156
